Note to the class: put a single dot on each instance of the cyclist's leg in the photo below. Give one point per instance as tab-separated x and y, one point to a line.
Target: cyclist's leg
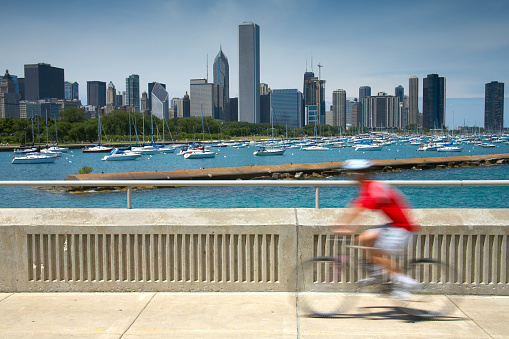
377	237
393	241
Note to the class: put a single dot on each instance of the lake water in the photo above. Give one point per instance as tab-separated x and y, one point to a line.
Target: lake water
257	197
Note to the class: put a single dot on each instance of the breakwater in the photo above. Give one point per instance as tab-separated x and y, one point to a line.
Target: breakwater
296	171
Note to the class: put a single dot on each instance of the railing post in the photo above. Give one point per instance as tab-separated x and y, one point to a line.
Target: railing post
129	200
317	197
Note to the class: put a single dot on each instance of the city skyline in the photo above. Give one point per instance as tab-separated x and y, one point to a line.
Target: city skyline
369	44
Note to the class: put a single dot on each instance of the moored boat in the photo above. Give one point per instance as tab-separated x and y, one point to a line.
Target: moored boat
199	153
449	149
97	149
368	147
35	158
271	151
118	155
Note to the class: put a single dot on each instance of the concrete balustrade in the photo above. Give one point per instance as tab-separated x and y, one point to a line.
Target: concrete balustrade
224	249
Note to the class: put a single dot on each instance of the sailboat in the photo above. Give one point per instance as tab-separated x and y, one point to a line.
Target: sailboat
200	152
98	148
263	151
35	157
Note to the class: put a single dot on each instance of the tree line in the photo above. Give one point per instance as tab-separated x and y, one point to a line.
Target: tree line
74	127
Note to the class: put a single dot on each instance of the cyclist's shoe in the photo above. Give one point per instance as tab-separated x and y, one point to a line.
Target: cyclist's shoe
403	290
373	280
407	283
401	294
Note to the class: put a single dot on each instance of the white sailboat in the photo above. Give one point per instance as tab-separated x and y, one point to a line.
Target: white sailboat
98	148
35	157
200	152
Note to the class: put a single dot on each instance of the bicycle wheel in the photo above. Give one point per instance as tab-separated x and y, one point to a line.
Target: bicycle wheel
430	300
318	282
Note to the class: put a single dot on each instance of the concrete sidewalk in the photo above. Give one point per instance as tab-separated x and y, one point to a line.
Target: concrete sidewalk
233	315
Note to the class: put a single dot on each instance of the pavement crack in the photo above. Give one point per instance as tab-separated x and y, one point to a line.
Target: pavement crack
143	309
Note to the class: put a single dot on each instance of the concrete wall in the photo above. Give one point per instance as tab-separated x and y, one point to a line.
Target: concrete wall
222	249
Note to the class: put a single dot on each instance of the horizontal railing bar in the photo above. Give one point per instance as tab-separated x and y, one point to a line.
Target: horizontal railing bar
298	183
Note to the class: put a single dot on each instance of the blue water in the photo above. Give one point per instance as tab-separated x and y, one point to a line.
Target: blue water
257	197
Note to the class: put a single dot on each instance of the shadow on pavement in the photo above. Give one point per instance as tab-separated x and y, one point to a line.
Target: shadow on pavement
386	313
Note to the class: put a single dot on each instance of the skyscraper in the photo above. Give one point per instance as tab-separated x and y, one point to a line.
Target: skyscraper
9	100
202	98
249	72
160	102
339	108
150	88
381	111
221	86
364	91
494	106
132	85
43	81
111	98
71	89
433	102
310	95
400	93
308	92
413	100
96	94
286	107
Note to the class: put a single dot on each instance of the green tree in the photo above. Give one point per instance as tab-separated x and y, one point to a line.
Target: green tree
72	115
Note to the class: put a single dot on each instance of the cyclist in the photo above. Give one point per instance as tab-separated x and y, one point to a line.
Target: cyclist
390	239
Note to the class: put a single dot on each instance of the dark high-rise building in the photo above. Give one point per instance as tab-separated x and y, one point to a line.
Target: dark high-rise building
233	110
96	93
400	93
221	86
265	108
249	72
433	102
307	89
494	106
364	91
150	88
310	94
186	106
132	85
43	81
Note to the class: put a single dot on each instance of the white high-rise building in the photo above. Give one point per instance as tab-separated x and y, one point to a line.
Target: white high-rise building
249	72
202	97
339	108
413	100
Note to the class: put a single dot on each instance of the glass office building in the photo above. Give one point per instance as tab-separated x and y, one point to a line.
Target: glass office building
286	107
132	85
160	102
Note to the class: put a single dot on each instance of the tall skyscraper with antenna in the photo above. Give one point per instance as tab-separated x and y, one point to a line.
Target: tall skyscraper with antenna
249	72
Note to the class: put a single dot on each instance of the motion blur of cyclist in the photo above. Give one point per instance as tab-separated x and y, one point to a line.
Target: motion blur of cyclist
390	239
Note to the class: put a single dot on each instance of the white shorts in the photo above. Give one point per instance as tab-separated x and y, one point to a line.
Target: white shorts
393	240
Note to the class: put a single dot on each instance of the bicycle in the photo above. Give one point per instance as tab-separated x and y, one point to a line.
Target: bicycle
321	278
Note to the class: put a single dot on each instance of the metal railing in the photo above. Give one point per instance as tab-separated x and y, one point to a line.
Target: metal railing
129	184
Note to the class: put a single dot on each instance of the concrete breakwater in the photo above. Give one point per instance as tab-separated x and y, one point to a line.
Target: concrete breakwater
295	171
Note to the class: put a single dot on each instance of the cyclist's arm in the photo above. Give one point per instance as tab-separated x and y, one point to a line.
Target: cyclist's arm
344	224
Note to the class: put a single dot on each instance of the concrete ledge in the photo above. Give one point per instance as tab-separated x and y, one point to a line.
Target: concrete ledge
222	249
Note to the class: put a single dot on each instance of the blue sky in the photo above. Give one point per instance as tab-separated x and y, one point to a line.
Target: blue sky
375	43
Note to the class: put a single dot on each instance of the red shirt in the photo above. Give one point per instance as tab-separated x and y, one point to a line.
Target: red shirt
375	195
